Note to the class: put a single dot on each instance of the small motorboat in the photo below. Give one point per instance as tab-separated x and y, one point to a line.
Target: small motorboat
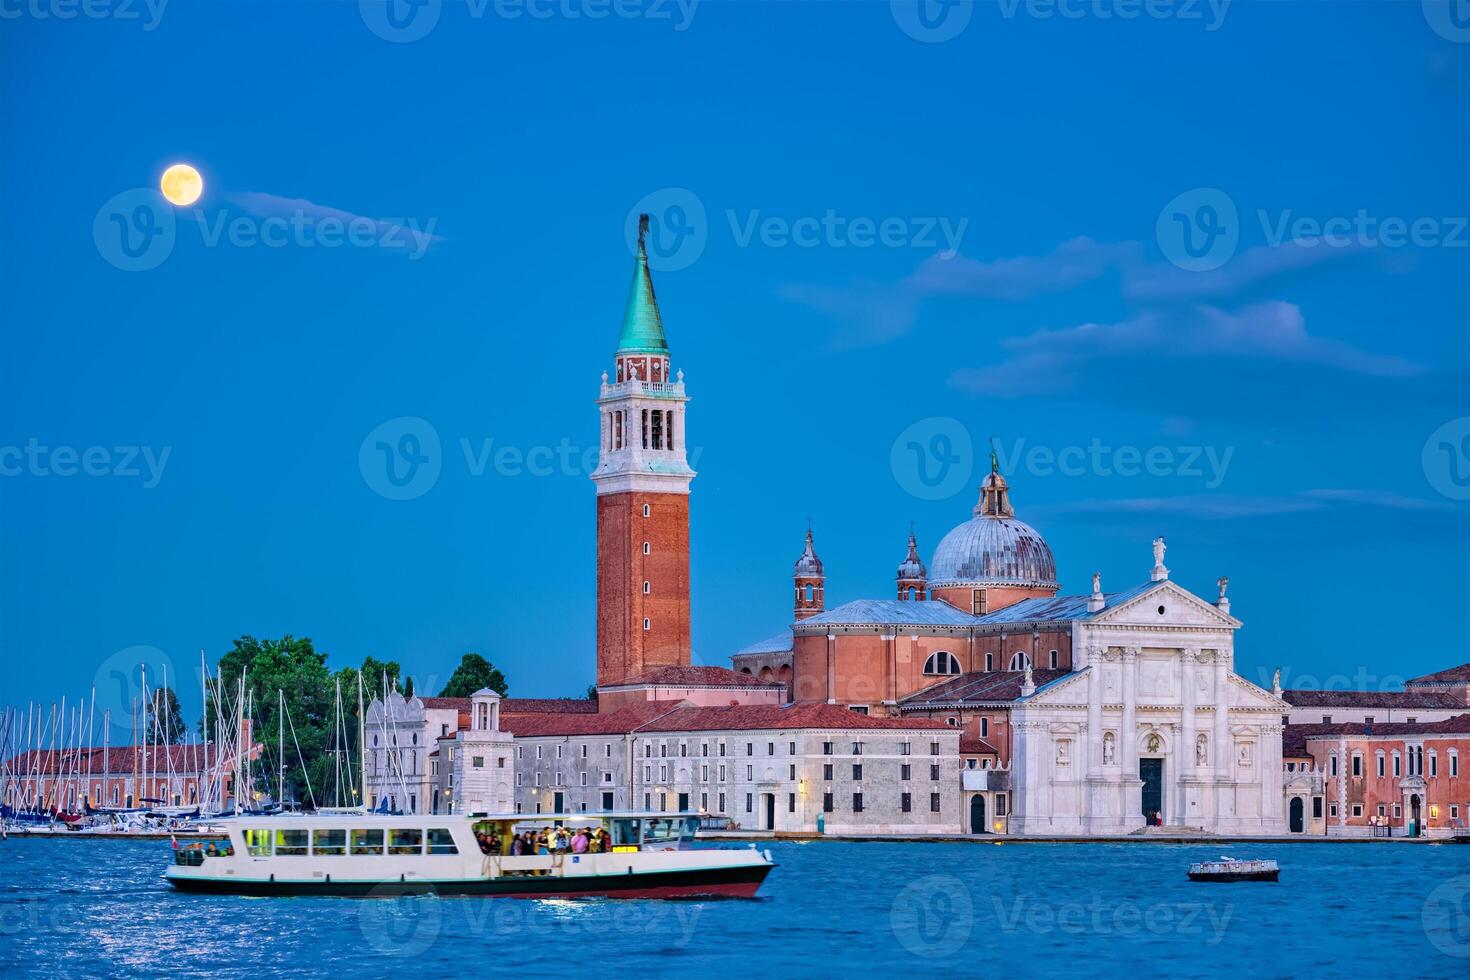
1230	869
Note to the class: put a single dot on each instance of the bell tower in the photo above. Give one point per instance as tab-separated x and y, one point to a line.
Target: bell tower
912	577
810	581
642	480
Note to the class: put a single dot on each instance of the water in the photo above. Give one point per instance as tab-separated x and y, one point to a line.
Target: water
76	908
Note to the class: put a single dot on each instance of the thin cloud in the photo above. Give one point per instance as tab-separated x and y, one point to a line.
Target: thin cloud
1070	264
1157	282
390	232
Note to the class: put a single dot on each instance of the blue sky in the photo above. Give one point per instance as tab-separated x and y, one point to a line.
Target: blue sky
868	239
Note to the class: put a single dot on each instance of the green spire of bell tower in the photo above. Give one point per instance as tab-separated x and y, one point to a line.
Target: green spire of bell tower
643	328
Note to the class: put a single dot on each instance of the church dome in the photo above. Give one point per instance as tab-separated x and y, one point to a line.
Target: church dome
993	548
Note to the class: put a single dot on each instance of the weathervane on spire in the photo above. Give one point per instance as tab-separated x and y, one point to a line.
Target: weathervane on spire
994	459
642	230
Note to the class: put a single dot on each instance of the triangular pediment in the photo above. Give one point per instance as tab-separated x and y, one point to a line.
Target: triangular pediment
1181	608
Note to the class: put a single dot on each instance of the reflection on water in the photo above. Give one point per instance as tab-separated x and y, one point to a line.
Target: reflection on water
95	908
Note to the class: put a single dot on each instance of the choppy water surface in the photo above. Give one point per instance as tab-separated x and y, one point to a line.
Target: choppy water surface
78	908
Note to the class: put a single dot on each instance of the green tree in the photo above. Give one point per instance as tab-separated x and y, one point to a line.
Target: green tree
163	719
473	673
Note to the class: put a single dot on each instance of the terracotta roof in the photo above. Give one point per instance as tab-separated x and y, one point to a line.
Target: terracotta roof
977	746
978	687
1294	738
771	717
1372	699
520	706
1453	675
682	716
116	760
695	676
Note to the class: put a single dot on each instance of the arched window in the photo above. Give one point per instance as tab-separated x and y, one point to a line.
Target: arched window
811	592
1019	660
646	510
942	662
647	548
990	661
1055	659
647	588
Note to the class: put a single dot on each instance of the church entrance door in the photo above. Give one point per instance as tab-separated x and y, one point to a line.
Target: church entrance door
1151	771
1297	807
977	814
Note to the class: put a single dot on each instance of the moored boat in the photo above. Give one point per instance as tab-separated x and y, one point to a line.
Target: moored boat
1230	869
639	855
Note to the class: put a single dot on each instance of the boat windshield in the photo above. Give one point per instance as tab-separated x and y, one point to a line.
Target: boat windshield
193	853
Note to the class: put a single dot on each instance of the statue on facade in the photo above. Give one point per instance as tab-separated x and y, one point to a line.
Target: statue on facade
1159	549
1097	581
1224	583
1064	752
1110	748
1201	750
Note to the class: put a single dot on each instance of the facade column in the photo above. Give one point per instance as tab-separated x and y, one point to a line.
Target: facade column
1188	757
1222	716
1094	710
1129	735
831	668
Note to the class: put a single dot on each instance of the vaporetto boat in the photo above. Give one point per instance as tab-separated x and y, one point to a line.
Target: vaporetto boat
644	855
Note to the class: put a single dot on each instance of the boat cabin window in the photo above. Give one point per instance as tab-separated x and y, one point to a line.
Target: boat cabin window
291	843
441	841
258	842
329	842
367	841
405	840
627	833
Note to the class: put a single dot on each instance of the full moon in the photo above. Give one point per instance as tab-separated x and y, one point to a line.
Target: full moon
181	184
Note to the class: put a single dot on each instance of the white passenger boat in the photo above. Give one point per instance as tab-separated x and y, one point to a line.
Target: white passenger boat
636	855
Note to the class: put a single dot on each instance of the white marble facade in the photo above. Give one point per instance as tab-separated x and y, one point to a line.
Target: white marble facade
1156	709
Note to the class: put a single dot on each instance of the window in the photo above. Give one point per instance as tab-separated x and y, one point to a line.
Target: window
722	802
478	761
1380	765
645	510
1357	764
329	842
1454	762
1317	807
1433	763
291	843
1333	765
933	802
1332	809
857	771
749	803
704	774
903	771
934	774
942	662
1000	804
904	748
984	727
793	772
607	801
704	801
722	748
441	841
1383	810
857	803
647	548
584	779
826	802
1357	809
647	588
790	802
1326	719
989	661
979	604
405	840
770	748
607	776
750	772
1019	660
857	748
367	841
258	842
826	748
647	624
905	803
827	772
1454	811
933	748
791	747
1055	659
750	748
1398	811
